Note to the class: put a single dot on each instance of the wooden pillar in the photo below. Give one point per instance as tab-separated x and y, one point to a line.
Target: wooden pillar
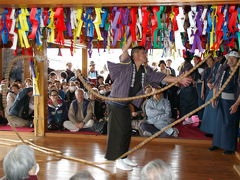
40	102
1	64
84	61
26	69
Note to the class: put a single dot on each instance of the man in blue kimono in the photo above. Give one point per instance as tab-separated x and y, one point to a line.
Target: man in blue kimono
130	77
228	108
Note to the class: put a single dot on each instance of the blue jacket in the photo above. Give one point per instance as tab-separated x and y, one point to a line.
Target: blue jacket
20	107
57	114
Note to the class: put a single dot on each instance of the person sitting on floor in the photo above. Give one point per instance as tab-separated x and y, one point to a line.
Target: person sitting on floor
28	82
20	164
70	95
11	96
157	169
52	76
83	175
57	111
19	112
99	106
158	112
59	87
80	113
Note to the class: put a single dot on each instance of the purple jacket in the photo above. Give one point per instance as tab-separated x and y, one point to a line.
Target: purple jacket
121	74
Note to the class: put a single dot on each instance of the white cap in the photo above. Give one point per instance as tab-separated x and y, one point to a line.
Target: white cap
233	54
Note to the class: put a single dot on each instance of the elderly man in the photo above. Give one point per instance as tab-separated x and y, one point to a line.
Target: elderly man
20	164
130	77
80	113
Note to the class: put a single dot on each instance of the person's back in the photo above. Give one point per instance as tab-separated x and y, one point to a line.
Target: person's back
158	111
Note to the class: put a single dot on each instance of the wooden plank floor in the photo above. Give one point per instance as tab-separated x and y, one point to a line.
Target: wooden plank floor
190	160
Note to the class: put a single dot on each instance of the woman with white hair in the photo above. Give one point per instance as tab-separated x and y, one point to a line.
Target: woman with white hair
20	164
157	169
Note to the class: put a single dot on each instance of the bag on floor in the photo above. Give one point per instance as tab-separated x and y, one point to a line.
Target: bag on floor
100	127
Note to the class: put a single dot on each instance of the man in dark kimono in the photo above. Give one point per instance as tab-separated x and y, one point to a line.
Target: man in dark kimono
228	108
188	95
130	77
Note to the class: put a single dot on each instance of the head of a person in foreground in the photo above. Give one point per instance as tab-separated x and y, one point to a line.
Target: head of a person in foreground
83	175
157	169
20	163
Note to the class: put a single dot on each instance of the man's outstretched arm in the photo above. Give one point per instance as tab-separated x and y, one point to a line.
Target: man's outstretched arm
185	81
125	48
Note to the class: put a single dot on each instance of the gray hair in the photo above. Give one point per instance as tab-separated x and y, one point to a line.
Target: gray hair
83	175
18	162
79	89
157	169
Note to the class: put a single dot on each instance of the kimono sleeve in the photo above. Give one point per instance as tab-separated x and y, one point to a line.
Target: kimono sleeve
154	78
116	68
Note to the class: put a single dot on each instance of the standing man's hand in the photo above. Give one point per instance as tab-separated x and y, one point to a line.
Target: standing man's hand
186	81
233	109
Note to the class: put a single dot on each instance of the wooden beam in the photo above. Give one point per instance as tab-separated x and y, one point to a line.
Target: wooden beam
84	62
78	3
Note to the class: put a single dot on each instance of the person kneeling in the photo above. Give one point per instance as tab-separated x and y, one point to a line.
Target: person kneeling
19	113
80	113
158	111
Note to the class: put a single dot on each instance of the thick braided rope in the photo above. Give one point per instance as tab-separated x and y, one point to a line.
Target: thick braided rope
48	151
145	95
184	117
145	141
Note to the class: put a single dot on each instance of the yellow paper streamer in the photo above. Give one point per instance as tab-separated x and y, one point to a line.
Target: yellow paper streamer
212	33
51	26
23	28
97	22
79	22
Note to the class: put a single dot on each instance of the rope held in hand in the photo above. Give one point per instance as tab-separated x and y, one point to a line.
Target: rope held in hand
58	155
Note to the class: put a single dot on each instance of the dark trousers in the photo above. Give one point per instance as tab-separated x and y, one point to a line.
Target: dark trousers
119	131
152	129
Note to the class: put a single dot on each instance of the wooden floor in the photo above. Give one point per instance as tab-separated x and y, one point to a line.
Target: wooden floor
189	159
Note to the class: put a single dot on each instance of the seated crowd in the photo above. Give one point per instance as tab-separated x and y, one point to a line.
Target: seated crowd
72	108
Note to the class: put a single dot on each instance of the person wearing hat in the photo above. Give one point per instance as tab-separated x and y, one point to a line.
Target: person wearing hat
130	76
188	95
92	73
228	108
